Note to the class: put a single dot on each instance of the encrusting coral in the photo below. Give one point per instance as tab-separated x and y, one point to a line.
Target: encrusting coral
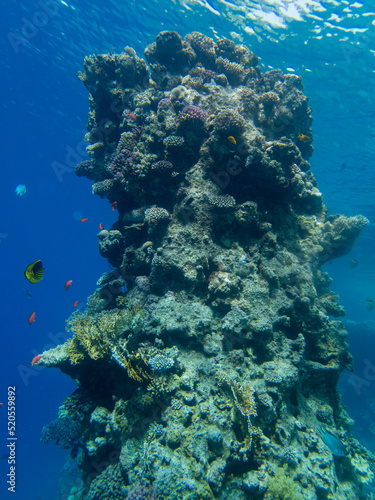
210	376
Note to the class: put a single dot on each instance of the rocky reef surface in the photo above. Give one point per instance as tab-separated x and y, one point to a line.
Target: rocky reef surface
215	375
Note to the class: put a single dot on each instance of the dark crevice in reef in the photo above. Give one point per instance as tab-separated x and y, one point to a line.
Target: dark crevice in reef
214	376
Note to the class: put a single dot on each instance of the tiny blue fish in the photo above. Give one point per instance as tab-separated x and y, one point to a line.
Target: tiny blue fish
332	442
20	190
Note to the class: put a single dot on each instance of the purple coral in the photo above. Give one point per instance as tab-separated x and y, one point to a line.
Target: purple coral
142	493
137	131
193	113
199	71
164	103
122	164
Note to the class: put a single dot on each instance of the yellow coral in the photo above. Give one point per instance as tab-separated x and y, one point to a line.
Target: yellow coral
244	399
282	487
97	336
93	336
75	351
243	395
135	371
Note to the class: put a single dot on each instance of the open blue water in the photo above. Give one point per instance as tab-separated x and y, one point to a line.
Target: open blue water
43	114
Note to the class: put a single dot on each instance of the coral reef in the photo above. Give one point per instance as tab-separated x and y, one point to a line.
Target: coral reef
213	374
64	431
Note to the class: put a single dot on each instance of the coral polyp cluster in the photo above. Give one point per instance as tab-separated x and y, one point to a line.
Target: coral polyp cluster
211	375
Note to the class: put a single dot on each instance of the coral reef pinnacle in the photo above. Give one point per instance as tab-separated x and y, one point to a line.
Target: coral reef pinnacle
208	358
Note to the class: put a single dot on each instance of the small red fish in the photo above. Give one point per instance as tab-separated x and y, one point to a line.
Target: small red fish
114	205
68	284
100	226
32	318
1	404
132	116
35	359
75	303
84	219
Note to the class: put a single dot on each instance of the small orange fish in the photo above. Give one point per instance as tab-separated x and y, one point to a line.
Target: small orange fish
304	138
75	303
68	284
232	140
132	116
1	404
100	226
32	318
84	219
114	205
35	359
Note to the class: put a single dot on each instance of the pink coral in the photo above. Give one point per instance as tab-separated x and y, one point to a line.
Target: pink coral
193	113
122	164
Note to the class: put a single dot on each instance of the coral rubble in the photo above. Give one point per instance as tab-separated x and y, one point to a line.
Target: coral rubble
213	374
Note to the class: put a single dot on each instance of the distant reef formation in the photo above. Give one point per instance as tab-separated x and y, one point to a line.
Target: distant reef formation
214	376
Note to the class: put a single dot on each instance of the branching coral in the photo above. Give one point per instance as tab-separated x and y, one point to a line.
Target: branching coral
282	487
244	400
93	336
133	368
65	431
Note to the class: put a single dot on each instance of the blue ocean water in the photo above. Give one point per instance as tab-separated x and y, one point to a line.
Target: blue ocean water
44	110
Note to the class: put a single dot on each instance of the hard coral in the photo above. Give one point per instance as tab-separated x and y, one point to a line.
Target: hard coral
233	71
170	51
238	53
282	486
161	362
162	167
92	336
108	484
126	68
155	215
193	113
173	141
169	44
169	56
204	47
228	123
123	164
226	201
111	246
65	431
